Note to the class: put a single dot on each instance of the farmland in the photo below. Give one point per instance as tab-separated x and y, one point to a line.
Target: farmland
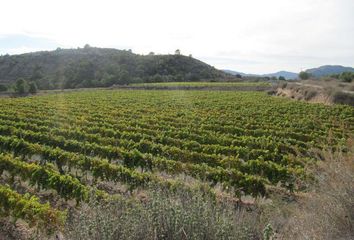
202	84
239	142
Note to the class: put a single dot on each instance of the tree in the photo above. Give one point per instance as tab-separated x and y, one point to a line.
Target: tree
178	52
37	73
3	88
304	75
156	78
80	74
281	78
124	77
21	86
346	77
32	88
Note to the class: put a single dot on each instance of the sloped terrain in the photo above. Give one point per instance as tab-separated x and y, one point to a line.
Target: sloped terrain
101	67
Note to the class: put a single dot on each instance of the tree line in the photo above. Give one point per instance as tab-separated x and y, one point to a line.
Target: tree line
20	87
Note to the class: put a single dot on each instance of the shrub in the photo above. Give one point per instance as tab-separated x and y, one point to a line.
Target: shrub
310	94
283	85
32	88
343	98
346	76
21	86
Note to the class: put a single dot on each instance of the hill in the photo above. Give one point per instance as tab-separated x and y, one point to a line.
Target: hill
329	70
286	74
101	67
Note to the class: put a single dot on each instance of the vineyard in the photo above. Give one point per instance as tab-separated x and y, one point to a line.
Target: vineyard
230	86
239	143
202	84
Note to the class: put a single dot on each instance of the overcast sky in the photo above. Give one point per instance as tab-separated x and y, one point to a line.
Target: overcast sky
253	36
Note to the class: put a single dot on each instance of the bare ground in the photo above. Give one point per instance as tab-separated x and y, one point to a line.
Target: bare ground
326	92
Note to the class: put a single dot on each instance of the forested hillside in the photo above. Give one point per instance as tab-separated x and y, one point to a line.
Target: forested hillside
101	67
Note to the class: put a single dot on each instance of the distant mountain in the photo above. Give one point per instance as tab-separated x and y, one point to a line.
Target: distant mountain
285	74
101	67
328	70
234	72
240	73
316	72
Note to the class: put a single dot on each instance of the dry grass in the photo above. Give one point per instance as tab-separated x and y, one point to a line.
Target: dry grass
163	215
319	91
326	211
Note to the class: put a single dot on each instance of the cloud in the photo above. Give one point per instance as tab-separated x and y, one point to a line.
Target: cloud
250	36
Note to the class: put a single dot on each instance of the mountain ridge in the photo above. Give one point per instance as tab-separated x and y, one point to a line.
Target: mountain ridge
288	75
326	70
320	71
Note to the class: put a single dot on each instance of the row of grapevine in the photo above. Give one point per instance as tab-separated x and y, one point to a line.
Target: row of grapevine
45	177
30	209
102	169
